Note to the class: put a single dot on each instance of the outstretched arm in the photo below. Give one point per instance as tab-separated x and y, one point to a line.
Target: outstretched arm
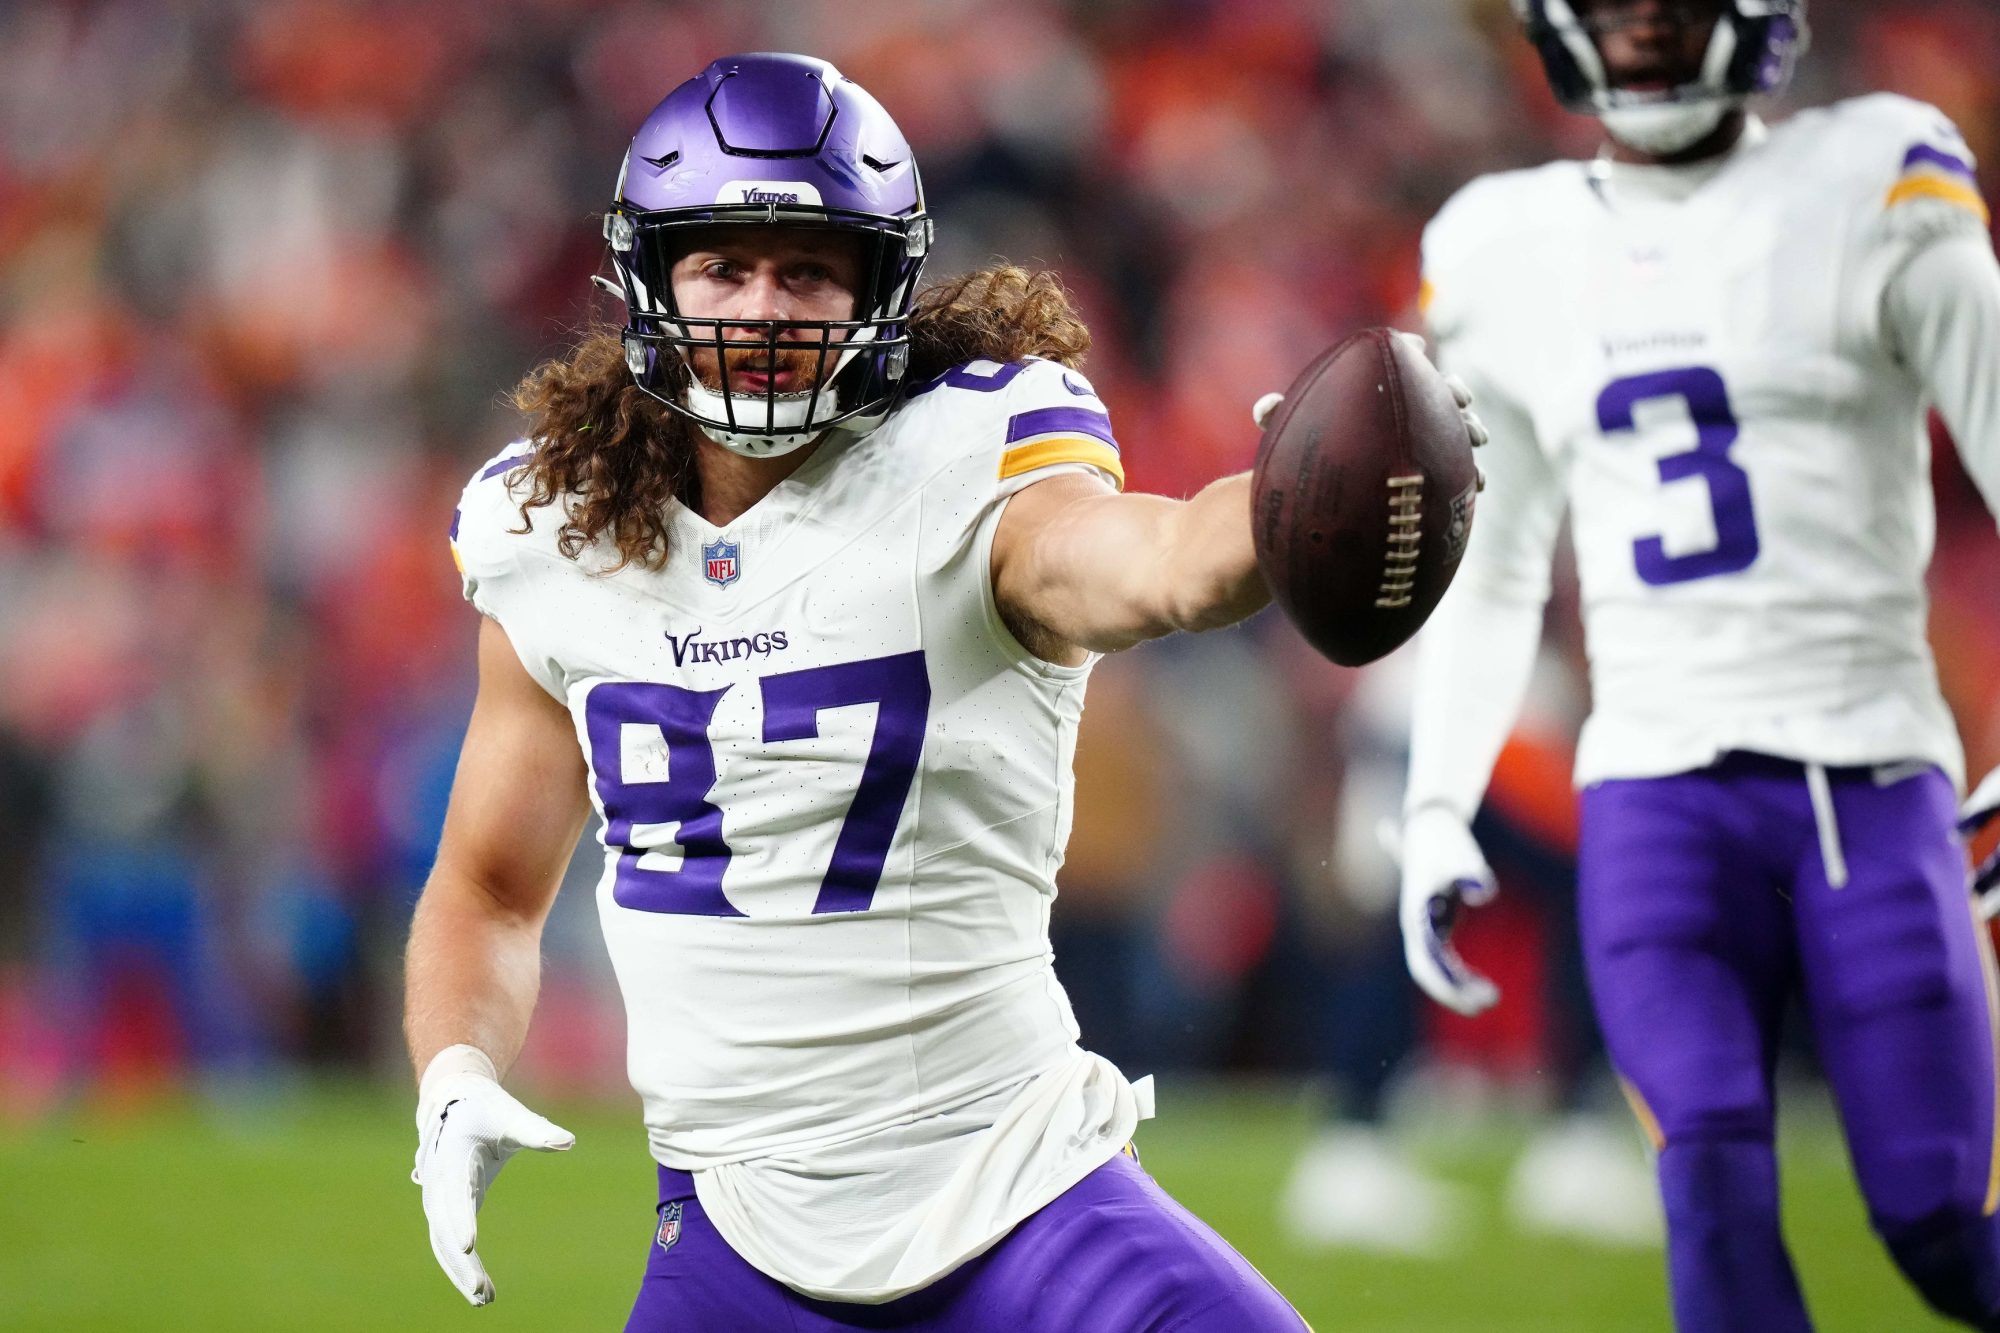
1077	566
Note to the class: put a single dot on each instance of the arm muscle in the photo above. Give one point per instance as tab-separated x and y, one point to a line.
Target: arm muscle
517	807
1093	569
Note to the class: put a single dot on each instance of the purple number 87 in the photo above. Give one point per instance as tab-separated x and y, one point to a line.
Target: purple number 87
898	685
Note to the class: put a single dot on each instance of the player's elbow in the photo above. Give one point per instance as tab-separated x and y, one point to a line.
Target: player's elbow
486	897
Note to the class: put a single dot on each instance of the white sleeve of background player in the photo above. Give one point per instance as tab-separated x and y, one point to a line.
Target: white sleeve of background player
1476	652
1942	316
1915	181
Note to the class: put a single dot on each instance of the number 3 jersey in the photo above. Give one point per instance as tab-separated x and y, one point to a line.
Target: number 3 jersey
834	794
1701	362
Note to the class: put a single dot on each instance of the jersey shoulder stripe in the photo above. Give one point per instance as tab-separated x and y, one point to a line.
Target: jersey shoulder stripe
504	464
1045	420
1050	436
1932	172
1054	421
1952	192
1905	151
1060	450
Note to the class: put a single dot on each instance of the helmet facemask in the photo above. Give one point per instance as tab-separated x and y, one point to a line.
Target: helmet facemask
1751	50
856	365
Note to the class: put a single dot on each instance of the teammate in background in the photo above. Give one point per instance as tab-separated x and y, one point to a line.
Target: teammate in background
1715	342
799	580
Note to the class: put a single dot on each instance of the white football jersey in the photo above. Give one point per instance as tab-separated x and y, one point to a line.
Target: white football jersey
1695	361
834	792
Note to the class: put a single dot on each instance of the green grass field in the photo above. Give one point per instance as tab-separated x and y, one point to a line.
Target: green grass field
297	1213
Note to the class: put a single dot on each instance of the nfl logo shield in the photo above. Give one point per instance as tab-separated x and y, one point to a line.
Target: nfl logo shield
670	1225
718	560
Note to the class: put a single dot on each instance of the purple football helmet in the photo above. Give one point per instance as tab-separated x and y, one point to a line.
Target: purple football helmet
761	140
1751	51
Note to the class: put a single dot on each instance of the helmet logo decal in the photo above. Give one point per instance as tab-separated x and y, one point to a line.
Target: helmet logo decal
768	192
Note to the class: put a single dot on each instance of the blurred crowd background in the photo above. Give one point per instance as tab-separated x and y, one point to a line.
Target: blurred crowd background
266	271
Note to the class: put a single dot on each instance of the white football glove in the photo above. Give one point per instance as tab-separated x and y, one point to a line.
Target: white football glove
1980	809
467	1128
1443	870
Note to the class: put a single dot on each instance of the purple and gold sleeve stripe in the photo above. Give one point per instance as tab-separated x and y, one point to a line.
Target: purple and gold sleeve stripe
495	468
1050	436
1934	173
1059	450
1064	420
1924	154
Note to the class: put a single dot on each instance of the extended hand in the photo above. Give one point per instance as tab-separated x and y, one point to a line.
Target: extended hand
1443	870
467	1128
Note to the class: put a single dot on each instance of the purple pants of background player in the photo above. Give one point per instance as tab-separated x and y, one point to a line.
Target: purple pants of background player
1113	1254
1706	905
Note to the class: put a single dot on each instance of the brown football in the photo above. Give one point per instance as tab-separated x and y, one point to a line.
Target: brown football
1362	496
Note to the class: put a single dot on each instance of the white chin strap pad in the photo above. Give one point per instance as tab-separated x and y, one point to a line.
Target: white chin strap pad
1664	128
755	416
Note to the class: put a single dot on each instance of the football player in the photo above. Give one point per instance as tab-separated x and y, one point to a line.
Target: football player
1714	345
797	581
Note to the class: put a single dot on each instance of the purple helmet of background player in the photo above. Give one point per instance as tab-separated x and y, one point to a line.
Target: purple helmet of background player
761	140
1752	51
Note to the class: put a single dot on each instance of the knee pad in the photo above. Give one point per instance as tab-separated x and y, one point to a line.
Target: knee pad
1954	1263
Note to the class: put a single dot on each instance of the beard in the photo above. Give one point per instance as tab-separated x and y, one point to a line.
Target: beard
794	370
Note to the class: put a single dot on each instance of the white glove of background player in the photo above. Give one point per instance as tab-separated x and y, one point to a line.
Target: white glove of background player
1475	429
1980	809
1443	870
467	1128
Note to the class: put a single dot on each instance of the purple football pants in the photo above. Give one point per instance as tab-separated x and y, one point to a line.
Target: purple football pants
1706	904
1112	1254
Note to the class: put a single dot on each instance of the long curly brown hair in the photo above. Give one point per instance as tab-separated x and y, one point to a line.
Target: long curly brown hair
613	456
